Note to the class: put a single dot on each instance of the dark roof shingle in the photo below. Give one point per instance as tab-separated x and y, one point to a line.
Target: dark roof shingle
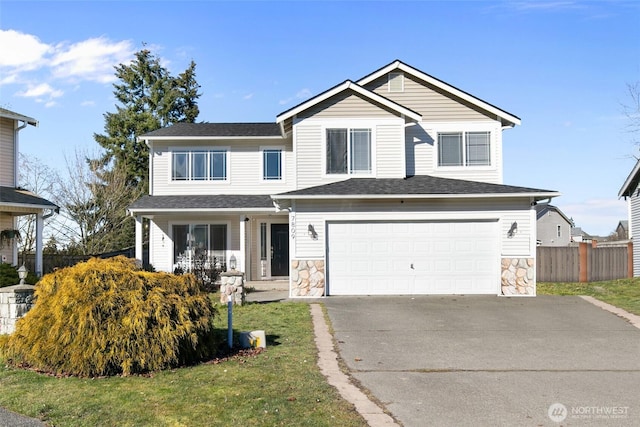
217	130
17	196
203	202
415	185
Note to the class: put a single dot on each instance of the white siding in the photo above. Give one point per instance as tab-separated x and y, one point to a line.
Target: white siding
387	149
161	252
390	157
244	168
635	231
422	151
317	213
308	148
7	154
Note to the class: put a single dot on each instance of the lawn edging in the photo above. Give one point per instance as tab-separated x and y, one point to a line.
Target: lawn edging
630	317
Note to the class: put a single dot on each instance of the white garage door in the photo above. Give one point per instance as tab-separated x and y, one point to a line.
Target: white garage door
399	258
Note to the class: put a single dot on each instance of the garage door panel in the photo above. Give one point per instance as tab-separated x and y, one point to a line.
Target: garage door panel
413	257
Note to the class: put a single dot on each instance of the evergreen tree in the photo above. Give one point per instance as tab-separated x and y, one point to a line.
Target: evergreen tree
149	98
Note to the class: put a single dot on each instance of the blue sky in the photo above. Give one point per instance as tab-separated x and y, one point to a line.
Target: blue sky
561	66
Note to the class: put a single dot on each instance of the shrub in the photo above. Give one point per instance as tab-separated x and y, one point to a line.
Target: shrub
108	317
8	275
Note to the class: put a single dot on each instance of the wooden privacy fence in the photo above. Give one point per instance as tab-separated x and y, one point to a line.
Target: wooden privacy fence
52	261
584	263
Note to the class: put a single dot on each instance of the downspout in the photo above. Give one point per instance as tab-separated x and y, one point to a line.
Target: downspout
16	151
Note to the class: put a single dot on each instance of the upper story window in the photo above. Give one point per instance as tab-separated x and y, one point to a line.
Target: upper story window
464	149
396	82
348	151
199	165
271	164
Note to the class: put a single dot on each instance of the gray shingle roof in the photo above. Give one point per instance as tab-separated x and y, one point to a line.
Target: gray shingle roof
203	202
17	196
216	130
416	185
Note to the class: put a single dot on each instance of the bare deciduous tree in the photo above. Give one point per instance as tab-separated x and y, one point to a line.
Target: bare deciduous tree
93	206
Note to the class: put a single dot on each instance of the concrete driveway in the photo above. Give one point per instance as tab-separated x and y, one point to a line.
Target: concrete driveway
485	360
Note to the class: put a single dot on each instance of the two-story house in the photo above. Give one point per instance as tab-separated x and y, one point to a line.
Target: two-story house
391	184
554	228
15	201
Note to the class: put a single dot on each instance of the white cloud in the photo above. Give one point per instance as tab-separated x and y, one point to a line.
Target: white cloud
248	96
87	103
38	91
36	67
302	94
91	60
22	51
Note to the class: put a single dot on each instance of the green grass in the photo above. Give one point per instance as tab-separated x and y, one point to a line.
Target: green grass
623	293
280	386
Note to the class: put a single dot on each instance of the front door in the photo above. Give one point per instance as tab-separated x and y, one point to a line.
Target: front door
279	250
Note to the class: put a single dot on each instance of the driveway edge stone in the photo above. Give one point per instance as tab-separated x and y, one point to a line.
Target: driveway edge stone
630	317
328	364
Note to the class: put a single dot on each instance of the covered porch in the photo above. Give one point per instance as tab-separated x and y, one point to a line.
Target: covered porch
214	231
15	203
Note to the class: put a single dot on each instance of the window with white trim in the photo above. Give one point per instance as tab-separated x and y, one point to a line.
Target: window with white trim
195	244
348	151
464	149
199	165
271	164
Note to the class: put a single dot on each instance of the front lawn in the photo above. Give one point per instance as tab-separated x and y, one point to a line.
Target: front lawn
623	293
280	386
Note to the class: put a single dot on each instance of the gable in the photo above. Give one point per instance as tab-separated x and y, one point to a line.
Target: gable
433	103
7	152
347	104
490	111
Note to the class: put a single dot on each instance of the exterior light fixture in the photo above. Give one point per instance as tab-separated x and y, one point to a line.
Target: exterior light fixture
312	232
232	262
22	273
513	230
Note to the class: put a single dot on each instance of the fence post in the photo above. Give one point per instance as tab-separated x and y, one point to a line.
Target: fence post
630	259
583	275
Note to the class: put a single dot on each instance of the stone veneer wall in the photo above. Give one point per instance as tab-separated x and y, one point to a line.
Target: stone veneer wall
232	284
15	301
518	276
307	278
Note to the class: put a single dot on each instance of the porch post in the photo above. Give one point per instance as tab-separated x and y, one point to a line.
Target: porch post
139	238
243	244
39	227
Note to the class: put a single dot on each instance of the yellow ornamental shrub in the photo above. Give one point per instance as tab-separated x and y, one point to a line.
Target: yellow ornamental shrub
108	317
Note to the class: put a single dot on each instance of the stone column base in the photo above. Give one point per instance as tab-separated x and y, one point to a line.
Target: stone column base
518	277
232	284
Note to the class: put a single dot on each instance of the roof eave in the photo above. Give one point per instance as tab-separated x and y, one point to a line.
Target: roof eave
15	116
153	211
28	206
632	181
536	196
205	138
348	85
397	64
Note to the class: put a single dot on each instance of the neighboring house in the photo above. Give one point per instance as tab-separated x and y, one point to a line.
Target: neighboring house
391	184
554	227
631	192
14	201
578	235
622	230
